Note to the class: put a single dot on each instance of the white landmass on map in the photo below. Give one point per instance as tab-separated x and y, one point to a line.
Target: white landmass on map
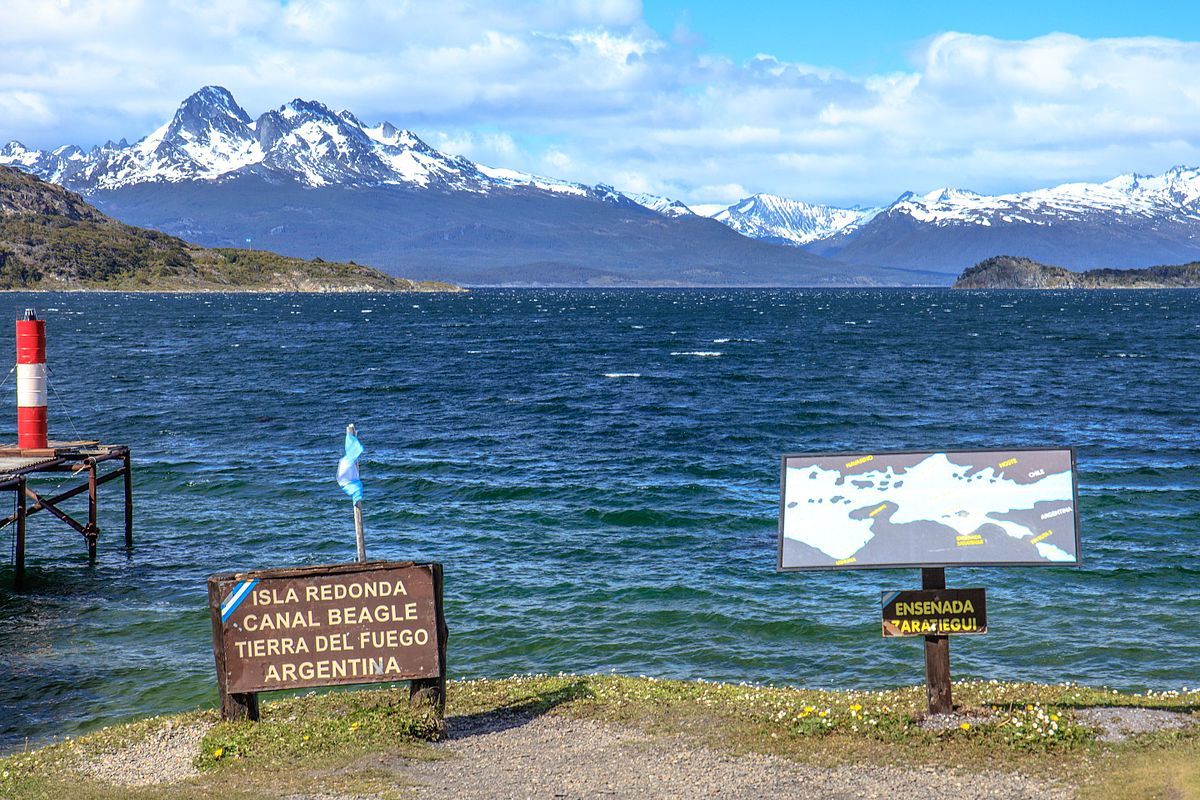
933	490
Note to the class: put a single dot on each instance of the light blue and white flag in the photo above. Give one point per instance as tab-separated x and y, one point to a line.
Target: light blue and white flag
347	471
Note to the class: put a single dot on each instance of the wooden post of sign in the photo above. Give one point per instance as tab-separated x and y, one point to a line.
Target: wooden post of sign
359	538
432	691
233	706
937	653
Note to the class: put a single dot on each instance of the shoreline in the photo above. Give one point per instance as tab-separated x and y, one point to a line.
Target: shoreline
555	287
529	735
348	290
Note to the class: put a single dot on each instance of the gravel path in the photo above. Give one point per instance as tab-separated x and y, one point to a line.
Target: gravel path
165	756
555	757
1117	723
520	757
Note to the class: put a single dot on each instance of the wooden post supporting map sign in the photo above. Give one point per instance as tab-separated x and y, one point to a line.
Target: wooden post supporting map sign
937	613
930	509
937	653
369	622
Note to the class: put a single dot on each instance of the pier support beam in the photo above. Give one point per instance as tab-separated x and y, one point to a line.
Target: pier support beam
92	528
19	559
18	466
128	470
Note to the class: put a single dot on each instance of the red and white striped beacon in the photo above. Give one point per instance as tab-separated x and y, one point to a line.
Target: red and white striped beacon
31	382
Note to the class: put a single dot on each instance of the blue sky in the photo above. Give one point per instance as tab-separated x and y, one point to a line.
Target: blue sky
881	36
705	102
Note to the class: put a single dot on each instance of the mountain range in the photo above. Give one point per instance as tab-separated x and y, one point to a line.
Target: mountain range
1129	221
308	181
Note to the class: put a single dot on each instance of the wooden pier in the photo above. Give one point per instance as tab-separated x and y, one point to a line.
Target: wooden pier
20	467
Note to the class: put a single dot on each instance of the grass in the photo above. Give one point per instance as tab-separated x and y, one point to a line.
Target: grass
345	724
300	741
355	742
1162	773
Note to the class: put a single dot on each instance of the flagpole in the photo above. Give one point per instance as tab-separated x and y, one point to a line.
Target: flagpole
358	514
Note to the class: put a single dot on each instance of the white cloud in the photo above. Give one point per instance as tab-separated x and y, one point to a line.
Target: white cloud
584	89
487	148
556	163
17	104
724	194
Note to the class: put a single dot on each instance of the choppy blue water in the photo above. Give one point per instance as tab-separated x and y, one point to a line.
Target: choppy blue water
598	471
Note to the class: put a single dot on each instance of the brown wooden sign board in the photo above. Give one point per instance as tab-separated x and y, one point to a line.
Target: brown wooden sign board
330	625
934	612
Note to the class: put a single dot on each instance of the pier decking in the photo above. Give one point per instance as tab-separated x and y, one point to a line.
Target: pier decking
19	467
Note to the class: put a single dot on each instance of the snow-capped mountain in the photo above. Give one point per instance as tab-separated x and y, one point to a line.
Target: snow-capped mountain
305	180
1175	195
1129	221
778	219
212	138
165	179
663	205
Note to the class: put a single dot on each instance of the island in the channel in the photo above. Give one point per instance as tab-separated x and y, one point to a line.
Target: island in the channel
1014	272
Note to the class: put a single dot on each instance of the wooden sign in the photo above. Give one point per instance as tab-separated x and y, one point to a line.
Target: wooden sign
369	622
934	612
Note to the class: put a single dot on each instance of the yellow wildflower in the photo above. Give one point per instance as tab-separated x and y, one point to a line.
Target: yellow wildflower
220	751
966	726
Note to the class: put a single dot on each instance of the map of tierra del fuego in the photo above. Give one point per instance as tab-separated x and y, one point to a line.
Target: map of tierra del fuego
977	507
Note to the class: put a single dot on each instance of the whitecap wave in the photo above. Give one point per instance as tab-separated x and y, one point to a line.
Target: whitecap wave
699	353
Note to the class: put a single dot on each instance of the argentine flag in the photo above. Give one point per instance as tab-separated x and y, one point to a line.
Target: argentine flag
347	470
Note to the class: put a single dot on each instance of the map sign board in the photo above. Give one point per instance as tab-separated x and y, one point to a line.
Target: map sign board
297	628
1014	507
